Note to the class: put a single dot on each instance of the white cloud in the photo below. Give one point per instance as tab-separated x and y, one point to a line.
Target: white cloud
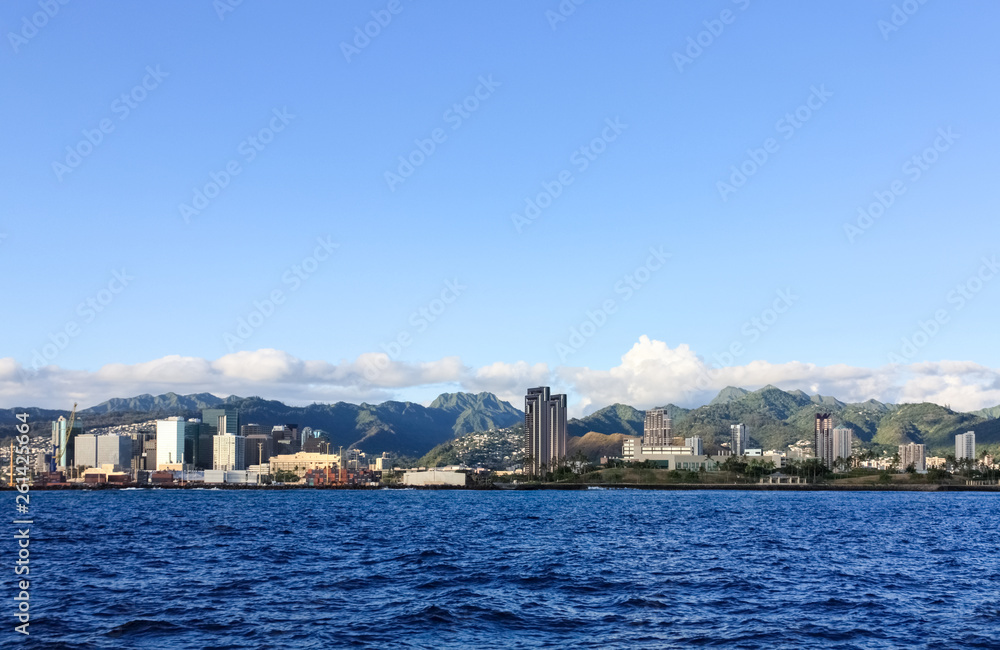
651	373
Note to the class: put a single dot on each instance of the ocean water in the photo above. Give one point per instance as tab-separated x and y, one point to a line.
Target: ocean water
455	569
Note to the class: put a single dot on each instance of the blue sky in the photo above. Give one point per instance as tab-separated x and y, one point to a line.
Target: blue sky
215	78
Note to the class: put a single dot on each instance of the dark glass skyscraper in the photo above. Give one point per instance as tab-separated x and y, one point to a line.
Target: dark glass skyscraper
544	430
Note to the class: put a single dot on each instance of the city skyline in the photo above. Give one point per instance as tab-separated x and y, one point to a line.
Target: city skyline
375	248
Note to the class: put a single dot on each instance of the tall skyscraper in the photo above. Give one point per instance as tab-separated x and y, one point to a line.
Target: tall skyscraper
258	444
214	422
62	440
544	429
738	439
170	441
912	454
114	450
224	420
823	439
85	450
229	452
843	441
657	429
965	445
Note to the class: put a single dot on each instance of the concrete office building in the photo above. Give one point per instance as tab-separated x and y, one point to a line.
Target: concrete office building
258	448
657	429
85	450
843	441
114	450
302	462
544	429
738	439
436	477
149	454
965	445
285	439
228	452
695	444
634	451
912	454
823	439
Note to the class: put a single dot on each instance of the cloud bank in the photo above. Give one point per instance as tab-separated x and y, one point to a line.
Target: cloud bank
651	373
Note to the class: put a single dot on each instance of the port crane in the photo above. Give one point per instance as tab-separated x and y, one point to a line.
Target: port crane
59	454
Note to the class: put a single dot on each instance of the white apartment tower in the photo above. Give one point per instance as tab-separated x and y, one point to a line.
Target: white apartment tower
228	452
843	440
738	439
965	445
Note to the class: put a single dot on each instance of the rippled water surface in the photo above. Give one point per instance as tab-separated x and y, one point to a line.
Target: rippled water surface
413	569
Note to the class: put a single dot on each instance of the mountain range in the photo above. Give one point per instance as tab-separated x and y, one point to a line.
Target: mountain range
775	418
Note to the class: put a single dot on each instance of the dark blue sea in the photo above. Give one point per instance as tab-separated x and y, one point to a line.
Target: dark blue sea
454	569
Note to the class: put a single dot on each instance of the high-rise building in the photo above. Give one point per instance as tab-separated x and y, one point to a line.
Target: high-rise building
843	440
285	439
544	429
259	446
62	441
965	445
170	436
738	439
695	445
149	454
114	450
823	439
139	440
85	450
224	420
318	442
912	454
657	429
229	452
252	430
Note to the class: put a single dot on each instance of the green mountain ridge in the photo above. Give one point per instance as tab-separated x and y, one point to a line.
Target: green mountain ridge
775	418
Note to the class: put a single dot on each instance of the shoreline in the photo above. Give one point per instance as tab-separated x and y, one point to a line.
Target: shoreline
754	487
